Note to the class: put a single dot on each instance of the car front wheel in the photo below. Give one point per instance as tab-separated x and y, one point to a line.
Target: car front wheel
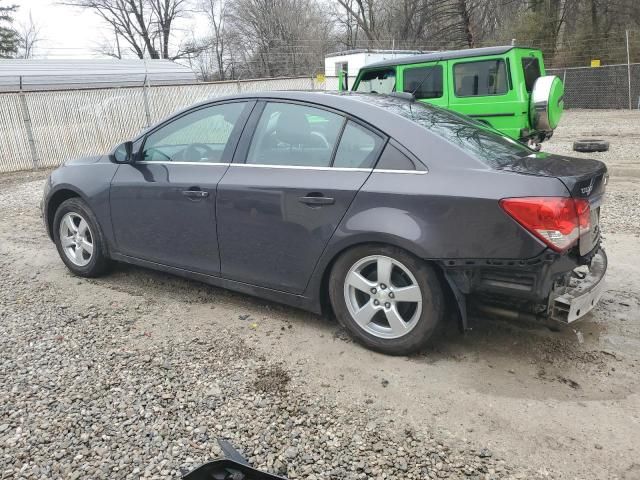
79	239
390	300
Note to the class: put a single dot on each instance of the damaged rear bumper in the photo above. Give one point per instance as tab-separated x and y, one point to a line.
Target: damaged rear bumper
562	288
568	303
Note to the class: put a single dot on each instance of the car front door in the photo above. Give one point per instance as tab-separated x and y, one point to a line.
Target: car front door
296	171
163	205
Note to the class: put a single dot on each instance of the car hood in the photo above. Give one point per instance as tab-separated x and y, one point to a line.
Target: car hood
84	160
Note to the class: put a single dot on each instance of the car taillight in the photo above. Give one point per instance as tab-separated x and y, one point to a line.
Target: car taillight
557	221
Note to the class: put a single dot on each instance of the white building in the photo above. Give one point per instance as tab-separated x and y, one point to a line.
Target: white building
353	60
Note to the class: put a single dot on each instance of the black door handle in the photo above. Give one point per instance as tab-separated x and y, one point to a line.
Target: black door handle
314	200
192	193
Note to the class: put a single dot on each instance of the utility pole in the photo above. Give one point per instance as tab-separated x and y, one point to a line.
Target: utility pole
629	69
118	44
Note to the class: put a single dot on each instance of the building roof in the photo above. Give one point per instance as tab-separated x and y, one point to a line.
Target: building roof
444	55
42	74
369	50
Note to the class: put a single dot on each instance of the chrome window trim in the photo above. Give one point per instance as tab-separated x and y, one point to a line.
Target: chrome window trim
302	167
292	167
414	172
146	162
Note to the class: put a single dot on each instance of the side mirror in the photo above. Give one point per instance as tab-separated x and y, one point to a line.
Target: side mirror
123	153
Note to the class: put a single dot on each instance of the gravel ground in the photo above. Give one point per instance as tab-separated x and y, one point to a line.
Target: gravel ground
88	390
136	374
620	127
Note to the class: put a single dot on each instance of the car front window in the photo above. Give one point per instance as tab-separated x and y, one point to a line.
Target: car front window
198	136
424	82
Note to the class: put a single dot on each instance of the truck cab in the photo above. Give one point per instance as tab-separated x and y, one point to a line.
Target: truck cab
504	87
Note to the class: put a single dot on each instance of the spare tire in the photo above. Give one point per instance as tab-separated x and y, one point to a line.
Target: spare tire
547	103
591	145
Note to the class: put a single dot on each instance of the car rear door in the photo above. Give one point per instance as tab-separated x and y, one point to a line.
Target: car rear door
163	205
297	169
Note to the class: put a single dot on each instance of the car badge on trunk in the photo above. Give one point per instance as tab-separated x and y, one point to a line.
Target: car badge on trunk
587	190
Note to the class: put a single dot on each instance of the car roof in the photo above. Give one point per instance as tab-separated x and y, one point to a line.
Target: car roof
444	55
365	106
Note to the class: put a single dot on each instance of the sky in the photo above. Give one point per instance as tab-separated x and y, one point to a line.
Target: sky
69	32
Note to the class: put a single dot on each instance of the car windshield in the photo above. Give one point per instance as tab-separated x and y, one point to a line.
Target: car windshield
377	81
480	140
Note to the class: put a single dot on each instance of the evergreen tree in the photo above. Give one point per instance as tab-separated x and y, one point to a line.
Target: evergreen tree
9	37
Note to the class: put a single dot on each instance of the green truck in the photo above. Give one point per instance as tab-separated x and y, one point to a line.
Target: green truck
504	87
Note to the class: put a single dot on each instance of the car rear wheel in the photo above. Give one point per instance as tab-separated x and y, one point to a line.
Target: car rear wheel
387	298
79	239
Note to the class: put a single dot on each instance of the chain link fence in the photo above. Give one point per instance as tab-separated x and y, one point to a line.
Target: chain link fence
610	86
45	128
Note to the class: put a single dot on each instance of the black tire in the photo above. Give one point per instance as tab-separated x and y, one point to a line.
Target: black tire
589	145
99	261
433	304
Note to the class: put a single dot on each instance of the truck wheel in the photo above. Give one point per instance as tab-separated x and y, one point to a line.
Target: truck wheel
591	145
390	300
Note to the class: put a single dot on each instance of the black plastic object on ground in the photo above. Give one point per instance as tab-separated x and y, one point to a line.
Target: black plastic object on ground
591	145
233	467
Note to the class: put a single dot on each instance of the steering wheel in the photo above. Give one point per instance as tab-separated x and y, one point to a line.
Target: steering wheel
198	151
152	151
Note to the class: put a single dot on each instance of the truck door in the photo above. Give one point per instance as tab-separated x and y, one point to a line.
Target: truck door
484	89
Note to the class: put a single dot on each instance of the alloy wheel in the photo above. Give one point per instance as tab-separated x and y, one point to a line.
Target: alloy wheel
383	296
76	239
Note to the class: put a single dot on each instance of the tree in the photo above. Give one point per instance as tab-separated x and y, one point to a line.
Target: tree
29	37
8	35
365	14
279	37
165	13
217	12
146	26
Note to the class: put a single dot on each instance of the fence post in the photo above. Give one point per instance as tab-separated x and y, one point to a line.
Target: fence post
145	96
629	69
239	85
26	117
313	86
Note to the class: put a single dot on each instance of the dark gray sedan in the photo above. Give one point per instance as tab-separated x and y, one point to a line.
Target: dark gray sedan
377	207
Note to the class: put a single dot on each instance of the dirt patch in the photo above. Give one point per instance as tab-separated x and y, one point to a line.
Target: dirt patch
271	379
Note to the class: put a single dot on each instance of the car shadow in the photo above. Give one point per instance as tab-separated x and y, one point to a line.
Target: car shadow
490	338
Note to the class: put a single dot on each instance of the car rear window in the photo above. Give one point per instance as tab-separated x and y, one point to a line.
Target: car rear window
485	77
479	140
424	82
531	67
377	81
